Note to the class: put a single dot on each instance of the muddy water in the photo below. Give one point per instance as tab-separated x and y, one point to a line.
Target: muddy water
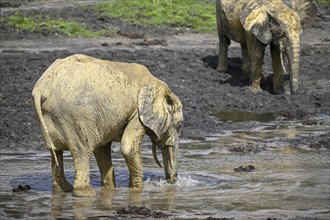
289	181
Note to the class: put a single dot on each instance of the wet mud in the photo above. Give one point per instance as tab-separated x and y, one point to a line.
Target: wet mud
186	60
21	188
248	168
141	211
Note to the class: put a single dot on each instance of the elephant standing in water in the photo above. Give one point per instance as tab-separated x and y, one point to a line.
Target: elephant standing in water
83	104
255	24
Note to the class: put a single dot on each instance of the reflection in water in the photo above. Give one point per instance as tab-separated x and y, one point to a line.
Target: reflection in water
291	179
237	116
64	205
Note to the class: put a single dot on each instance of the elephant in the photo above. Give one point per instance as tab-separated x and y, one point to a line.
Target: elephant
83	104
255	24
306	9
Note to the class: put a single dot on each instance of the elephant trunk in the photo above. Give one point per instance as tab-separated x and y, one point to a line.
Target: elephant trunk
293	58
170	164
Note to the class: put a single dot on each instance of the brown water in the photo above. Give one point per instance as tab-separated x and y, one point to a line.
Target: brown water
237	116
289	182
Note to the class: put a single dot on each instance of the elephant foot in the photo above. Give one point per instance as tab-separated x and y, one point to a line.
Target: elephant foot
108	186
255	89
135	188
136	184
84	192
222	70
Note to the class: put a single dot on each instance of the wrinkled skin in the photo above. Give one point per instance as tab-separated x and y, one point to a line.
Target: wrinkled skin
83	104
255	24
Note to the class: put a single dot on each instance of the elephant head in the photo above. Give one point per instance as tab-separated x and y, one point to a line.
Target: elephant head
277	24
160	111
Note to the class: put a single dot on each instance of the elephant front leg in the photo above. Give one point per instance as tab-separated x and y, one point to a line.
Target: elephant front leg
278	86
131	148
82	186
224	43
58	176
256	51
103	158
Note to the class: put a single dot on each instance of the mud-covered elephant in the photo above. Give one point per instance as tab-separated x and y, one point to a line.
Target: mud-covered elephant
255	24
83	104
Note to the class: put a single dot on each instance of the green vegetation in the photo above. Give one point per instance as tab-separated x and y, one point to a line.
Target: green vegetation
195	14
39	23
326	2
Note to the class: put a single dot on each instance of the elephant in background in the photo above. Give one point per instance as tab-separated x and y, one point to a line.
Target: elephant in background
255	24
306	9
83	104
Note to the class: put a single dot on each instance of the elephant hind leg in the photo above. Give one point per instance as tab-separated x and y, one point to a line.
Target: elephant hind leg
224	43
246	64
104	162
82	186
58	176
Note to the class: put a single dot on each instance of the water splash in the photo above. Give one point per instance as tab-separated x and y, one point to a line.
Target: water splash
187	181
183	181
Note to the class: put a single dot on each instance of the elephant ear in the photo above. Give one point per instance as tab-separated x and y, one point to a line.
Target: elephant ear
254	19
154	108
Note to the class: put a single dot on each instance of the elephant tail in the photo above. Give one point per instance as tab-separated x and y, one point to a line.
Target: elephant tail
38	99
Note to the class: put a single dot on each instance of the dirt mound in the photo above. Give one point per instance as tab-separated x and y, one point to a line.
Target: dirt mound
141	211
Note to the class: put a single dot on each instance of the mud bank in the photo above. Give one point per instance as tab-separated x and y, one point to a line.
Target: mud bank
185	60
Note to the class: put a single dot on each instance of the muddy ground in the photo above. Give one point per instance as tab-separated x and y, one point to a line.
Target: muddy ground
184	59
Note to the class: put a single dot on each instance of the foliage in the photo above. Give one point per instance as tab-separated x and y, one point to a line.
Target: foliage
326	2
195	14
39	23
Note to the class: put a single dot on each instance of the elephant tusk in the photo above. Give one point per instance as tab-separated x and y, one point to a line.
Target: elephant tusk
154	153
282	62
170	155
